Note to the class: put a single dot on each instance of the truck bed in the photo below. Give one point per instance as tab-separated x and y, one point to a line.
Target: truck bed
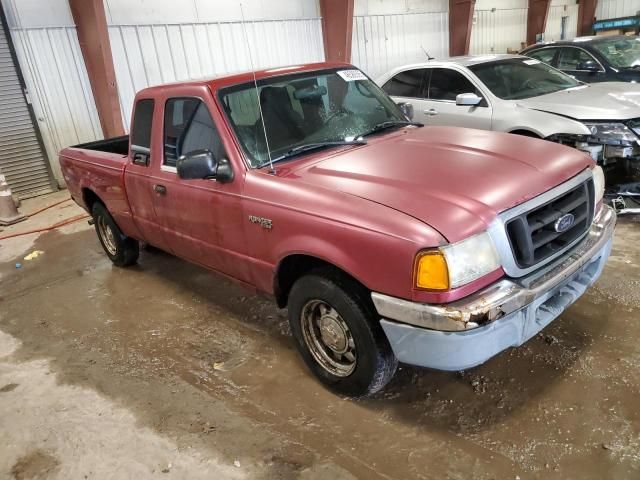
119	145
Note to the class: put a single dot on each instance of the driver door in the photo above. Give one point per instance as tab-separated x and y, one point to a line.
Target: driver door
440	108
203	219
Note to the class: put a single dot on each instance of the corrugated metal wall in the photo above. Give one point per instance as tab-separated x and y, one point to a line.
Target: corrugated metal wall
496	30
59	87
554	22
22	159
382	42
616	8
147	55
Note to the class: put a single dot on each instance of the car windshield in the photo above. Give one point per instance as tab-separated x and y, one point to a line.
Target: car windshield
620	52
306	111
517	78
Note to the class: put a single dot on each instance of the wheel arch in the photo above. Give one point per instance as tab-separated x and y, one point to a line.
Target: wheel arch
295	265
89	197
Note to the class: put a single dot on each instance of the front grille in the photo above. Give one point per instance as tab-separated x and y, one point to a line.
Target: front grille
533	235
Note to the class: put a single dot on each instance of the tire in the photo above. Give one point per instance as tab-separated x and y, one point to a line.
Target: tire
342	305
123	251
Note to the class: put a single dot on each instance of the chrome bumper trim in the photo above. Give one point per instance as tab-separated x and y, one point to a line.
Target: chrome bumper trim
503	297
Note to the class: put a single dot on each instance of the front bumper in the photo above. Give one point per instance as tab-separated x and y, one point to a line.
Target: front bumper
468	332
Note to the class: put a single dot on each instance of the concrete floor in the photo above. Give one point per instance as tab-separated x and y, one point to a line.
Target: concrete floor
166	370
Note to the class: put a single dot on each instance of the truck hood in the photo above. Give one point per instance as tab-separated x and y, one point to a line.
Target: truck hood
596	101
454	179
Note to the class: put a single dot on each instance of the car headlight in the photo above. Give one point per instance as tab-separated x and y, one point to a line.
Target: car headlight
457	264
611	134
598	183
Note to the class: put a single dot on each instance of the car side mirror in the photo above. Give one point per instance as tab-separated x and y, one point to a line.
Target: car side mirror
588	66
407	109
468	99
201	164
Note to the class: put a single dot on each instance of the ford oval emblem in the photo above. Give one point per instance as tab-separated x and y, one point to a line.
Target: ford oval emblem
564	223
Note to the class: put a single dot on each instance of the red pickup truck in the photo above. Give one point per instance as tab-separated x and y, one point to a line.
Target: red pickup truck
387	241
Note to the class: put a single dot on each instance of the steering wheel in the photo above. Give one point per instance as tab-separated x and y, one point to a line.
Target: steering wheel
529	84
341	111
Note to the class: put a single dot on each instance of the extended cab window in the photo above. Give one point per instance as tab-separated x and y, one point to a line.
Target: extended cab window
141	129
188	126
447	84
406	84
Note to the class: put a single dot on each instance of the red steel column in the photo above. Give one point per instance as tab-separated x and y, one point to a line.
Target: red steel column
537	19
91	25
460	20
586	15
337	27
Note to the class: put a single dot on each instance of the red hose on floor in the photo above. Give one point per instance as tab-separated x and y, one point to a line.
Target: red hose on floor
46	229
48	207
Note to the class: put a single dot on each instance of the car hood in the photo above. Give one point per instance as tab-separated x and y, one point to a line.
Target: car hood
454	179
596	101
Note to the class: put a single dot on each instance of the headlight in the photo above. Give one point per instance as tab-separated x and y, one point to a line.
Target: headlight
598	183
611	134
457	264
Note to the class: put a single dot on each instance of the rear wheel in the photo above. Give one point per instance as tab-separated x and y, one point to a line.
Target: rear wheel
338	333
121	250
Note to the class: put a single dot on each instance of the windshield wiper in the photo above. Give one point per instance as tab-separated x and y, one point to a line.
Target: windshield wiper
390	124
312	146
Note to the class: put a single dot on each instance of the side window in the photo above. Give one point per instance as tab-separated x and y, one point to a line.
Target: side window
406	84
545	55
188	126
447	84
570	58
142	118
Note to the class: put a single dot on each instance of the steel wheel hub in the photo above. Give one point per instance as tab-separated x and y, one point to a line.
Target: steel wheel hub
107	236
328	338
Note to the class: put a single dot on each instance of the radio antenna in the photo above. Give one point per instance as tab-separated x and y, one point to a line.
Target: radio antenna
255	84
429	57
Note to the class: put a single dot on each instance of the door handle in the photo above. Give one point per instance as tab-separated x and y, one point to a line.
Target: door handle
431	112
160	189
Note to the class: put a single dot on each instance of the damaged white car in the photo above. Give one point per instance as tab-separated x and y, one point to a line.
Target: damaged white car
521	95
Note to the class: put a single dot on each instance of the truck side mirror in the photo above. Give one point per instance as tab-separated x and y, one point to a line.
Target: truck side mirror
407	109
201	164
468	99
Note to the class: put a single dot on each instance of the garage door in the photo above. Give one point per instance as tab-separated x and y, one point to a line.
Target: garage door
22	160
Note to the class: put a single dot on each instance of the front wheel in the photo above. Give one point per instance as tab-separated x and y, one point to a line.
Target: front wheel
338	334
121	250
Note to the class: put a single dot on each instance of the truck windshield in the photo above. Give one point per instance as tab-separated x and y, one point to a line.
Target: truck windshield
620	52
320	108
518	78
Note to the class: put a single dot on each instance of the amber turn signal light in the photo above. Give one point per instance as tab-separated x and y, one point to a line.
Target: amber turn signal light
431	271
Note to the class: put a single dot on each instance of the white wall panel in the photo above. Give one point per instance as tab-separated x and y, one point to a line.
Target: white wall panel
58	87
38	13
501	4
494	31
382	42
554	22
616	8
146	55
391	7
131	12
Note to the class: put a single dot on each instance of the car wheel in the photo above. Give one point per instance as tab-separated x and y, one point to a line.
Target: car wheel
122	250
338	333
